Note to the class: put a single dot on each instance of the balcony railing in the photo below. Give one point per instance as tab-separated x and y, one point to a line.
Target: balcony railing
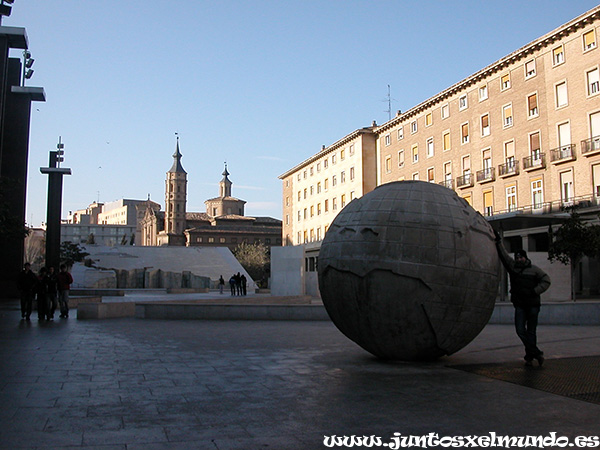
508	168
464	181
590	146
488	174
534	162
564	153
448	183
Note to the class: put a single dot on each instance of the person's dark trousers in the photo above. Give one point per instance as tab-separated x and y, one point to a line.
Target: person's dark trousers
26	304
526	320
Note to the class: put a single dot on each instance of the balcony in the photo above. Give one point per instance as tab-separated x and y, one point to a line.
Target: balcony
464	181
508	169
562	154
448	183
533	162
486	175
590	146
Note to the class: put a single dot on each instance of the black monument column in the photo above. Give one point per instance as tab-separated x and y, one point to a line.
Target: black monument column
55	181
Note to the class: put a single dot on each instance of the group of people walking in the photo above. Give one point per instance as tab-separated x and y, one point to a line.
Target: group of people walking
237	284
51	290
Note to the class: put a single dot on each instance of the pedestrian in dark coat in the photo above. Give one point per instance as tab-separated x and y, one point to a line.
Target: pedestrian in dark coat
26	284
527	283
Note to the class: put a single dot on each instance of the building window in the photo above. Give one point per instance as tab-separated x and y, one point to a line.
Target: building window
312	171
388	139
428	119
511	198
401	158
564	137
325	163
326	184
530	69
415	176
483	92
388	164
305	174
464	133
445	111
351	150
312	190
534	149
351	173
287	201
532	106
352	195
342	154
400	133
333	159
485	125
298	177
319	234
287	219
488	203
299	215
448	175
430	175
343	200
446	139
222	240
430	148
415	154
558	55
334	203
333	181
462	102
343	176
537	194
305	193
589	40
211	240
318	167
312	210
507	116
318	209
413	126
561	94
326	205
593	82
505	82
319	187
566	187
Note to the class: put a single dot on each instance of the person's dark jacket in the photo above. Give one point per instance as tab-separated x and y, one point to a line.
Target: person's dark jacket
27	282
527	282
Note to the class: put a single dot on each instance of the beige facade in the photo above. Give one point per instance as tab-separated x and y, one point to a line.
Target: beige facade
521	134
317	189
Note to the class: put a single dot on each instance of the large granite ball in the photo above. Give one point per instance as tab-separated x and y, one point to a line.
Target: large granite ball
409	271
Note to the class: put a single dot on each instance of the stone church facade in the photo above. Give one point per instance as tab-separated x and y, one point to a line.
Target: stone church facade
222	225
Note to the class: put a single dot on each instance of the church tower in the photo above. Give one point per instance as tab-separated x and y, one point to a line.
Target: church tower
175	196
225	184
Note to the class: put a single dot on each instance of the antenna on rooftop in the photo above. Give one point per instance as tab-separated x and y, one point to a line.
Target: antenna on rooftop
389	102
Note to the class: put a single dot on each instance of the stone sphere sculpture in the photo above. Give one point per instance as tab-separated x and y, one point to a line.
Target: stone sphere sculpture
409	271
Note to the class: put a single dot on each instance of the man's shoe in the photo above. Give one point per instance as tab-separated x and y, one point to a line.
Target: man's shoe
540	359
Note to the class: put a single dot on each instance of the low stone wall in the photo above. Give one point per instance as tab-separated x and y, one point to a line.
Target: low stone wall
105	310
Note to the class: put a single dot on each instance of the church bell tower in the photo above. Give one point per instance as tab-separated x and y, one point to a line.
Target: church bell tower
175	196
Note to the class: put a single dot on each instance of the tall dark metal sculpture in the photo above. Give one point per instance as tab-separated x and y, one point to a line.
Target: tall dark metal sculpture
15	111
55	181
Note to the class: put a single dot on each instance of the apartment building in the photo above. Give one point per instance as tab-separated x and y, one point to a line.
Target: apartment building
519	137
318	188
521	134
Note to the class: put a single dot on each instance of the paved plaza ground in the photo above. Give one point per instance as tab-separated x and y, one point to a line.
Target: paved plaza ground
132	384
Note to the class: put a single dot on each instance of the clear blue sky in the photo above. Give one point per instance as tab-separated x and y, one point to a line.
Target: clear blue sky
259	84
